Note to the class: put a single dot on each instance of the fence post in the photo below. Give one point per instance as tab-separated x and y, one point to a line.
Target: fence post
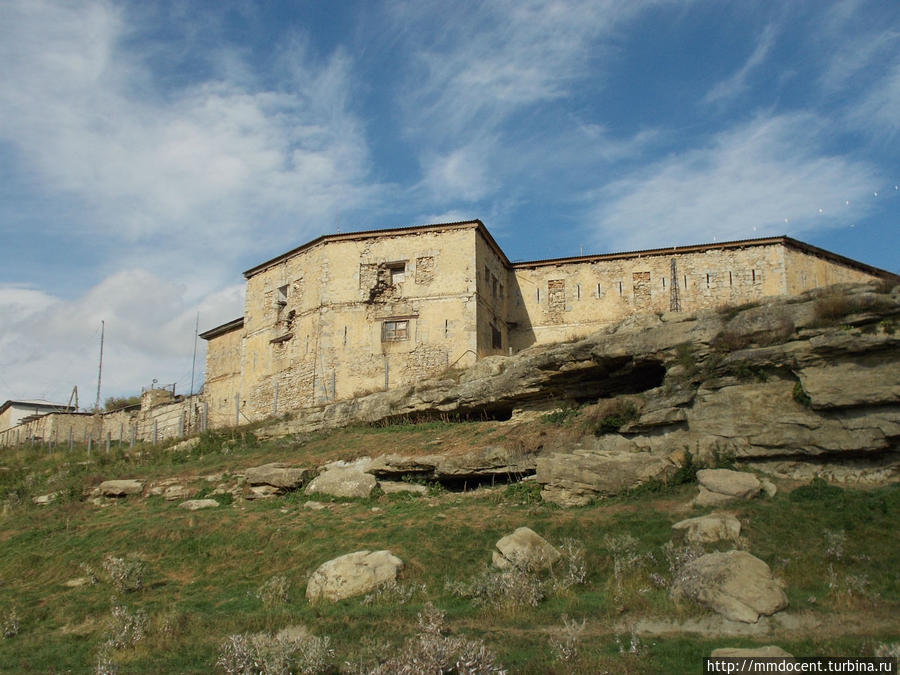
237	410
181	425
155	431
90	442
204	412
133	434
108	440
71	440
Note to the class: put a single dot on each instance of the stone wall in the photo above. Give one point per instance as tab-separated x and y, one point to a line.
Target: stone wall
170	417
354	315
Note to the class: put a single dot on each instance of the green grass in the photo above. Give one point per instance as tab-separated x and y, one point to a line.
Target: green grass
205	568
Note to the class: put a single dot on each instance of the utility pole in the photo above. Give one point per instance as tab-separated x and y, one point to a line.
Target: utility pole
100	368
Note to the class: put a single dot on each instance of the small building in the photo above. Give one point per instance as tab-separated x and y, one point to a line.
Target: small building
13	413
350	313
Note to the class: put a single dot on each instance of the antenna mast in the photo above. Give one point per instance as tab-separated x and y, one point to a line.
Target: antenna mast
100	368
194	360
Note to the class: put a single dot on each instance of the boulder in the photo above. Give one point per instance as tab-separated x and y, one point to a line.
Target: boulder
720	486
44	500
767	652
735	584
277	475
261	492
352	574
121	488
198	504
525	549
342	482
175	493
184	446
710	528
576	478
393	487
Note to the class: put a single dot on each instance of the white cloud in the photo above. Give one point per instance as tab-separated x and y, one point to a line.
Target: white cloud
879	111
50	345
218	155
742	185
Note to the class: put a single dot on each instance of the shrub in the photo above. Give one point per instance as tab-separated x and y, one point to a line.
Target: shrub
9	622
274	655
817	490
565	645
125	574
432	652
801	396
513	587
611	415
126	629
523	492
560	417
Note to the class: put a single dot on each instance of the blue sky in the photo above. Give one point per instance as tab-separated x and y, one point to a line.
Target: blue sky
151	152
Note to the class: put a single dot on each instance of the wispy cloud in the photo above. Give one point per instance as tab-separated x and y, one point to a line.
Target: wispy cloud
735	85
765	177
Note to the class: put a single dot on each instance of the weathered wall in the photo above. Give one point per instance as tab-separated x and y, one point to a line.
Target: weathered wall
173	417
556	302
356	315
223	376
492	293
807	270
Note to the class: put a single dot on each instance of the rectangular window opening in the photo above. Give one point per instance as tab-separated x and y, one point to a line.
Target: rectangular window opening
707	280
392	331
578	291
620	288
397	271
539	295
496	337
753	277
281	296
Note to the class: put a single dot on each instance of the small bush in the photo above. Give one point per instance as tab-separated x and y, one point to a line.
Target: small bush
523	492
501	589
560	417
274	655
9	623
125	574
432	652
126	629
610	416
800	395
565	644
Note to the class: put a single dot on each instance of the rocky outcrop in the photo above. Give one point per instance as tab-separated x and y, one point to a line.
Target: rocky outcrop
767	652
524	549
342	481
121	488
198	504
277	475
352	574
814	378
720	486
483	463
737	585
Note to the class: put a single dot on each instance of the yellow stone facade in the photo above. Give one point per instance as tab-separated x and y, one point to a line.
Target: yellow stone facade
348	314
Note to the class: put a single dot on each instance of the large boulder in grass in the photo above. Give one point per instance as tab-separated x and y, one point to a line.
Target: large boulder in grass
720	486
352	574
710	528
121	488
277	475
342	481
526	549
735	584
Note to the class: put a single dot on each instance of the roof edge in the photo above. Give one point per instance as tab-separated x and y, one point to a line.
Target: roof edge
227	327
362	234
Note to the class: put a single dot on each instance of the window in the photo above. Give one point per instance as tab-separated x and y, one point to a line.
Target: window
281	296
397	272
392	331
496	337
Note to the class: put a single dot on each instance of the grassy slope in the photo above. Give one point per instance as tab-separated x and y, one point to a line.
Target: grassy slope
205	568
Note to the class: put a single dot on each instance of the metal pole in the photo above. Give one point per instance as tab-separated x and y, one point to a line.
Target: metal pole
90	443
181	425
108	440
155	431
133	434
204	415
100	368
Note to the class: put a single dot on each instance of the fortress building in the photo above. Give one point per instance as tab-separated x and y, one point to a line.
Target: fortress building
351	313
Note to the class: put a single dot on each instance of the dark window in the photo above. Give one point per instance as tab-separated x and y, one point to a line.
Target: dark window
496	337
